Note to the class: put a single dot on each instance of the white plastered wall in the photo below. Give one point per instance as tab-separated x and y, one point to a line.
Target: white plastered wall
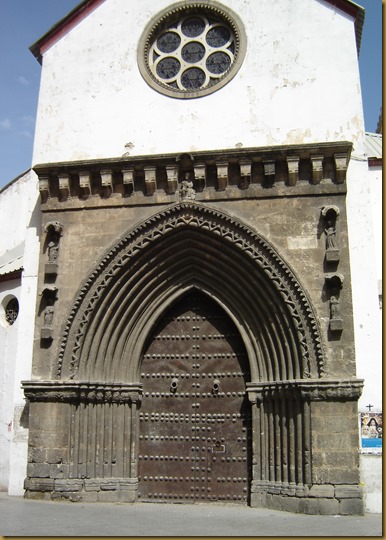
300	55
19	216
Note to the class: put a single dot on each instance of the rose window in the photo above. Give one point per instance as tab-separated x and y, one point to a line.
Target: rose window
191	52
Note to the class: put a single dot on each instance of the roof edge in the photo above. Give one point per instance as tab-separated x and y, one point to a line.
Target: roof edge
63	26
87	6
354	10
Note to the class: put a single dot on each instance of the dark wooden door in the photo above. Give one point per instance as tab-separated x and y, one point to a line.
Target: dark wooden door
195	418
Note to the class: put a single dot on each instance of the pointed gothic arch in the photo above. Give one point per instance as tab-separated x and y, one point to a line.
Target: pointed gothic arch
190	245
99	389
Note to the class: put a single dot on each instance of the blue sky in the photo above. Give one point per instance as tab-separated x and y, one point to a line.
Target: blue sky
22	22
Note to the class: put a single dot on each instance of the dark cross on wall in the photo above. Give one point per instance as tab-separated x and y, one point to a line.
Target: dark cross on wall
369	407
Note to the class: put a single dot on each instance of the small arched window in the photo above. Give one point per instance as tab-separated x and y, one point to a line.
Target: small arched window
11	310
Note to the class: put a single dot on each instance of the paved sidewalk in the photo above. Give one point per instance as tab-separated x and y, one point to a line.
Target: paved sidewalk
21	517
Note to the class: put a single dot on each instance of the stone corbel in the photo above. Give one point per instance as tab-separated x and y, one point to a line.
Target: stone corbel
107	182
334	284
330	215
172	178
317	169
64	186
269	171
245	173
293	170
341	163
85	183
222	175
199	176
150	180
44	188
128	181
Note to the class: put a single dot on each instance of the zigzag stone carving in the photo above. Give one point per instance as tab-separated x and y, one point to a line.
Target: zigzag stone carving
194	215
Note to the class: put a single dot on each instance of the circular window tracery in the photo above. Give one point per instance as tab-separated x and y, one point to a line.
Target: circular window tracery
192	50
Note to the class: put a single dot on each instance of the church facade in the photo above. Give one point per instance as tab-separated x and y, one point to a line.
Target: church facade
194	325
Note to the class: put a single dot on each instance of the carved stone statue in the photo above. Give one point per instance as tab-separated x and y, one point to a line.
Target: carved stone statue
53	250
48	316
186	190
334	308
336	322
330	235
330	215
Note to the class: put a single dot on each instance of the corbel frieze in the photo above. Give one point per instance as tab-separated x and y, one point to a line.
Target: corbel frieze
85	392
306	389
303	168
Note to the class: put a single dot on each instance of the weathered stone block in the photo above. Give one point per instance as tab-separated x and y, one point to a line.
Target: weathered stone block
36	455
58	471
107	496
56	455
39	484
63	496
275	502
290	504
335	475
332	255
351	507
92	485
38	470
51	268
258	499
328	507
309	506
348	491
336	325
335	458
338	441
67	485
46	333
90	496
325	491
38	495
127	495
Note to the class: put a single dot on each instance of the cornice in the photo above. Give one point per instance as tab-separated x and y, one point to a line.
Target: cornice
82	391
307	389
291	170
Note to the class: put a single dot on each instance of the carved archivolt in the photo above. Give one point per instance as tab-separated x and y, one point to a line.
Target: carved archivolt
184	246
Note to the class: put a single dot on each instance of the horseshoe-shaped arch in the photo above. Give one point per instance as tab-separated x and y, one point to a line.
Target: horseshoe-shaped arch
189	245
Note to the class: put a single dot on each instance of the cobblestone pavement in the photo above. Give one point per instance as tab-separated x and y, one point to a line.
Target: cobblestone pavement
21	517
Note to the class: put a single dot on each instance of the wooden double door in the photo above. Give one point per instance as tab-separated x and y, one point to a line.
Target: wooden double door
194	437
